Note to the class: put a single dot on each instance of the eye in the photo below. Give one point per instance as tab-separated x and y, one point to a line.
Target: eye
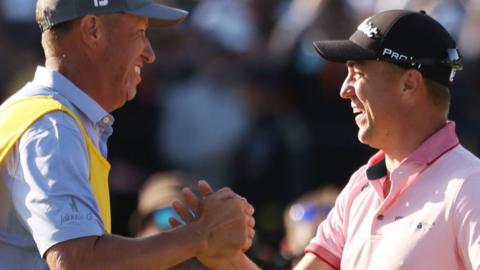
142	32
357	75
354	74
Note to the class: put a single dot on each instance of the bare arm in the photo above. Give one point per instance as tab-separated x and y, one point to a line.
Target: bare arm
242	262
115	252
221	227
311	262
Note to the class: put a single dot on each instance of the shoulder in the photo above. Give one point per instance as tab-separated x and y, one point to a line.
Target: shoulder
358	180
356	184
460	170
459	164
55	133
54	124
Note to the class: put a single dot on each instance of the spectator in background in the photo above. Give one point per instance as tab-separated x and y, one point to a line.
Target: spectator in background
154	208
301	219
203	118
228	22
18	11
19	16
275	150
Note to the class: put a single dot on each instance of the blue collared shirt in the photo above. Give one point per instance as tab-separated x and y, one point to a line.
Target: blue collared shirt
47	197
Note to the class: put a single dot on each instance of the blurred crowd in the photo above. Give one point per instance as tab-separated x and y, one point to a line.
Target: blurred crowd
239	97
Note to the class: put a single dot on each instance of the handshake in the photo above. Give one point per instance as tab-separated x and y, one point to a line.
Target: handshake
223	221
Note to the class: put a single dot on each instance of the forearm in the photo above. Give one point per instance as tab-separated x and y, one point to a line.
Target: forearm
115	252
161	251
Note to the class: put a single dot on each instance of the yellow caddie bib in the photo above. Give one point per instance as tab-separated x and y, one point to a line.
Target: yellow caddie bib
18	116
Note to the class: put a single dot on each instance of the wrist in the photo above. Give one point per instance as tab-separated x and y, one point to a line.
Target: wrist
199	236
239	261
219	263
242	262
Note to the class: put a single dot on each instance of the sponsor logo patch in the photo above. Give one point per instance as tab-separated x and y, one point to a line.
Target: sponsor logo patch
368	29
389	53
100	3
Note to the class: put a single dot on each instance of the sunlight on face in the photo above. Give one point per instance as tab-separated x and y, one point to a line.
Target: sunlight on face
126	52
370	86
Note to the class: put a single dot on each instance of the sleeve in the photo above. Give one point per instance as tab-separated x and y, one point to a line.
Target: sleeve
329	241
466	217
53	197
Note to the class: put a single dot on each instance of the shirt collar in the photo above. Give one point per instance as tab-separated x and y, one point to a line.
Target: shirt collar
376	166
428	152
78	98
438	144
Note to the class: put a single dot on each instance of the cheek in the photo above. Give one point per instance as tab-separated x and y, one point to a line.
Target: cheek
361	92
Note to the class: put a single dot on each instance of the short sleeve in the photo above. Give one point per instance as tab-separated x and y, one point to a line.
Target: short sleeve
330	239
52	193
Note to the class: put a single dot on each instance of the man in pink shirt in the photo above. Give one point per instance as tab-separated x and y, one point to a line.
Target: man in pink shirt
415	204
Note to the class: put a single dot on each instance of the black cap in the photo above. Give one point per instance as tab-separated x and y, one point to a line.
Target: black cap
410	39
58	11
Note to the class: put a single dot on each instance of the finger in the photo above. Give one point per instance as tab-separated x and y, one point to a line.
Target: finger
249	209
251	233
249	241
247	245
251	222
205	188
174	222
191	200
182	211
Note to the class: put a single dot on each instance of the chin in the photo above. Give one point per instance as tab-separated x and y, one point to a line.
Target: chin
363	137
131	94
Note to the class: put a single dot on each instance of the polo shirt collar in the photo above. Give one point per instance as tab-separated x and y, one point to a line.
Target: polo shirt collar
376	166
428	152
78	98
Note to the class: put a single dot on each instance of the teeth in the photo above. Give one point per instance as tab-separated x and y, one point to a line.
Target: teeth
355	111
137	70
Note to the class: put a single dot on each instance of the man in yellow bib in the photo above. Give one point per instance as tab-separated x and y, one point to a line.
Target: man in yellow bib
54	202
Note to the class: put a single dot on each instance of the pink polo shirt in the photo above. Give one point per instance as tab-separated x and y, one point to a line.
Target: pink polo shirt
429	220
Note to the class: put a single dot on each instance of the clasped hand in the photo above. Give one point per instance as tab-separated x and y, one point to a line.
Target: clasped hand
223	218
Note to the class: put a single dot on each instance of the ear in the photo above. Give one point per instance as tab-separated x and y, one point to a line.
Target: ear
412	80
91	30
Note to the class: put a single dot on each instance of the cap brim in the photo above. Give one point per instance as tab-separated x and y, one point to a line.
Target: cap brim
160	15
342	51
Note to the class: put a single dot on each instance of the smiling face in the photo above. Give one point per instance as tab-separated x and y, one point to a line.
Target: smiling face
373	88
127	49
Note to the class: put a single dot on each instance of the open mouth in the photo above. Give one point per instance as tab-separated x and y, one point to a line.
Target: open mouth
138	70
358	113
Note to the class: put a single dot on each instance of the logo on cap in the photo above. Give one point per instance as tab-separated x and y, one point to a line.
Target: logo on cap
389	53
100	3
368	29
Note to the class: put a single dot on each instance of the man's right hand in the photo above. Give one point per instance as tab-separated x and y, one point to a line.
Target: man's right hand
223	218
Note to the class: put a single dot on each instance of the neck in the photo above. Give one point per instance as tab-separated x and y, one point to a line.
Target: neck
76	68
412	136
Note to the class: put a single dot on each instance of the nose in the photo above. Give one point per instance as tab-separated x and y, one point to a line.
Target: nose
347	91
148	54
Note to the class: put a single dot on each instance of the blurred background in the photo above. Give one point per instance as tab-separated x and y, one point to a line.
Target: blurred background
239	97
